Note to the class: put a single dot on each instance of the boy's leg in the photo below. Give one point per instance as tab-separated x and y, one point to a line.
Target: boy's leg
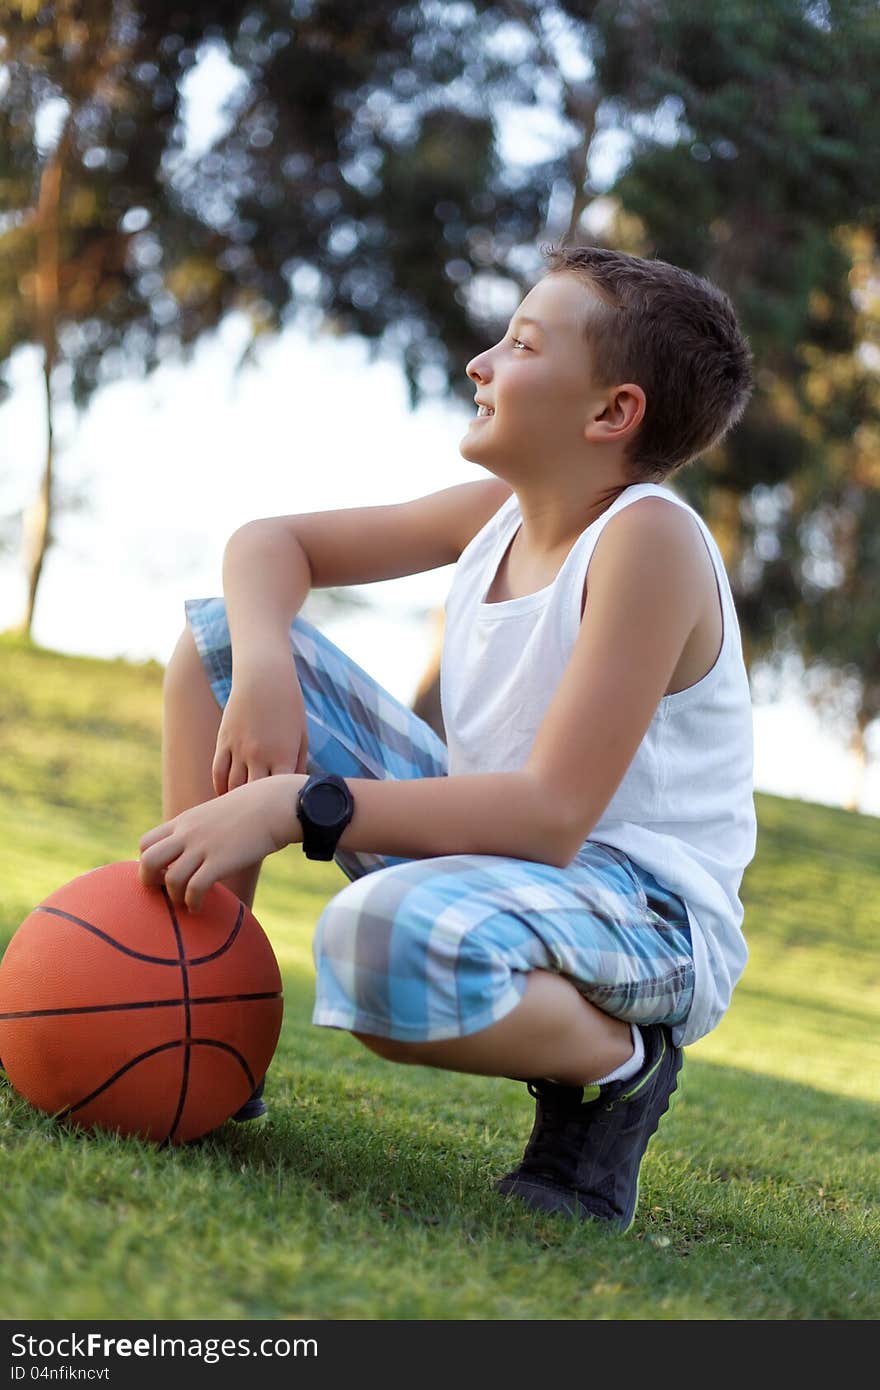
552	1032
190	721
355	729
513	968
588	1139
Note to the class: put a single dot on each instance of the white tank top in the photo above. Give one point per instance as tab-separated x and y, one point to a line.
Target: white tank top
685	808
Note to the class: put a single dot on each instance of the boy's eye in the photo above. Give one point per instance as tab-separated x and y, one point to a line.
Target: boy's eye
518	342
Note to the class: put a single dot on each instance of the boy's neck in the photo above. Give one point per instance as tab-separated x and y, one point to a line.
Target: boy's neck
552	522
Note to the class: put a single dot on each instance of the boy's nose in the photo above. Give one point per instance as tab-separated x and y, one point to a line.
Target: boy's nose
477	368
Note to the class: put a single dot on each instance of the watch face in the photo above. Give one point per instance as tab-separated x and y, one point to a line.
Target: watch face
326	804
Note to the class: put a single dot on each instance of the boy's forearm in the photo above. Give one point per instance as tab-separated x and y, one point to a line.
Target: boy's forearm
266	580
499	813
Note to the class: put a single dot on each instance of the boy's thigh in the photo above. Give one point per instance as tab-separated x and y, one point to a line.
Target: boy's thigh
356	728
440	948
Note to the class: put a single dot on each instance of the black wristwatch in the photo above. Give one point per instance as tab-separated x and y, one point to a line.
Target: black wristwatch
324	806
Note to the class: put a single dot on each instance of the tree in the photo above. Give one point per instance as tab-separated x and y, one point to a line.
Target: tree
750	135
758	120
820	544
351	189
77	241
360	186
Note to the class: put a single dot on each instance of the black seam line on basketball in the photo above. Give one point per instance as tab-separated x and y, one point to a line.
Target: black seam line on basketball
200	960
152	1052
140	955
187	1015
141	1004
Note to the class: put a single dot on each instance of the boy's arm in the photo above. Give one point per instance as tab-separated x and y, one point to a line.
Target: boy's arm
495	814
270	565
266	581
501	813
643	603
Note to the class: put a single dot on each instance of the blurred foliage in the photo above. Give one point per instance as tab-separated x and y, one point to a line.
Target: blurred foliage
362	181
352	186
754	129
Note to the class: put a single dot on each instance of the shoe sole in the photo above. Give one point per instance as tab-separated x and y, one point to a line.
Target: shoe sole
549	1199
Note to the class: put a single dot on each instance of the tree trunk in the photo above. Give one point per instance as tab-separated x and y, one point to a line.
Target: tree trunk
581	106
37	528
857	746
427	698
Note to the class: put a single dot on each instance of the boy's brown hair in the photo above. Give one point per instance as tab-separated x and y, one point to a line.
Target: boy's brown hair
674	334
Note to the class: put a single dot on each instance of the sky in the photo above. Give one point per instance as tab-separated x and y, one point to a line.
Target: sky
155	476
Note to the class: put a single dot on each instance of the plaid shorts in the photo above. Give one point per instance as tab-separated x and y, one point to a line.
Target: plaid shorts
422	949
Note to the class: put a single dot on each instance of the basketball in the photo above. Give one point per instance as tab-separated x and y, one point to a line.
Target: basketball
120	1010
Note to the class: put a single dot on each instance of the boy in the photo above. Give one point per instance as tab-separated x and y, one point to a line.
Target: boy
555	897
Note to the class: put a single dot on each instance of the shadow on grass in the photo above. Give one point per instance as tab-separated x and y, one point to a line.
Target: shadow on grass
743	1156
755	1199
427	1144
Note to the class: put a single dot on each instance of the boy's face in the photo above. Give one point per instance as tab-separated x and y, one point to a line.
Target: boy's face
538	380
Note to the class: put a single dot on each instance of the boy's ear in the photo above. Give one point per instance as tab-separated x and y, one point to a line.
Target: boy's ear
620	415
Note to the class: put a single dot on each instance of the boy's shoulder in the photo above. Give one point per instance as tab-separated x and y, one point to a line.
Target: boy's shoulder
659	517
656	523
673	535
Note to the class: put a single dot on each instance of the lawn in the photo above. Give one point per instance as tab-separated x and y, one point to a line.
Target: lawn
367	1194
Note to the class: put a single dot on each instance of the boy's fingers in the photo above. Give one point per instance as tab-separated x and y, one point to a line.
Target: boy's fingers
156	859
196	889
153	836
238	775
150	877
178	877
220	771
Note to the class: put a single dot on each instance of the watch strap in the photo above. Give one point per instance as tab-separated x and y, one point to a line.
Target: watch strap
320	841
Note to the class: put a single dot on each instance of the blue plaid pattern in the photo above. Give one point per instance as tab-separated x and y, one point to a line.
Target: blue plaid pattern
423	949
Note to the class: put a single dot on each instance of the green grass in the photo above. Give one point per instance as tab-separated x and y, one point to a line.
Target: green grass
367	1194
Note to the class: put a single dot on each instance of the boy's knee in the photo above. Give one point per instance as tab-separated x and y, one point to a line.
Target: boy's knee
356	926
184	668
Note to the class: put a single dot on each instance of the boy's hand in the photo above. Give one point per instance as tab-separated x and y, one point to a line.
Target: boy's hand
191	852
263	729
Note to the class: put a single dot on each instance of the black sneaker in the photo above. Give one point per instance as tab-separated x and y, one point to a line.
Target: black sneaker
254	1107
587	1143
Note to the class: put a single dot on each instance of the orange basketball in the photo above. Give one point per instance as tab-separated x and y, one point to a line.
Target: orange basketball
120	1010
